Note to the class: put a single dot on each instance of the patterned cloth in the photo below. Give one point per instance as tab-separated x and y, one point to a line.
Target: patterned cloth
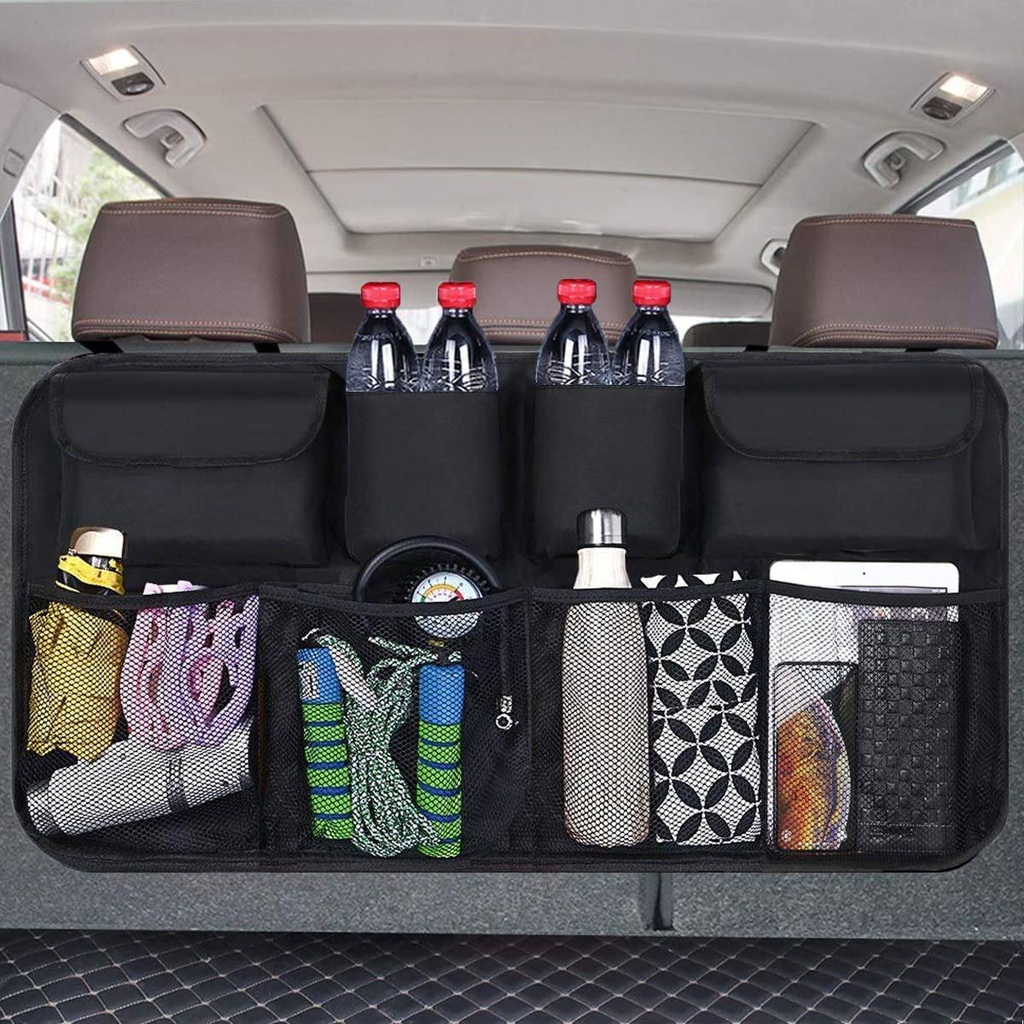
707	771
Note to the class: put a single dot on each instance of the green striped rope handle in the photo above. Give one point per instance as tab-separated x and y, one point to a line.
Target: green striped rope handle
385	821
439	756
323	731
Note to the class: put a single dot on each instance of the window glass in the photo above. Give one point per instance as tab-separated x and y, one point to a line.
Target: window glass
420	322
56	202
5	316
993	197
11	316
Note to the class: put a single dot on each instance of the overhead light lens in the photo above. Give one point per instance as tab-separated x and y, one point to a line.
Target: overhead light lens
962	88
114	61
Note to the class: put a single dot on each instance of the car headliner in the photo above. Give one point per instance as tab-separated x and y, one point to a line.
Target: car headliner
685	134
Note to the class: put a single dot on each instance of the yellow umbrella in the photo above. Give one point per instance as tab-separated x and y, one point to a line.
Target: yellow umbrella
73	705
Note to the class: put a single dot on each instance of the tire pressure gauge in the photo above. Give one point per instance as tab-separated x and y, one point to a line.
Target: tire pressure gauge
434	569
464	576
445	583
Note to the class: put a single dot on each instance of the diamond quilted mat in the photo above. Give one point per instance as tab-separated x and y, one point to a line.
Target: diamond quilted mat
135	978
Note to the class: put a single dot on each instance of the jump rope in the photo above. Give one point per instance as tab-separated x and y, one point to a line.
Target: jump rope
350	716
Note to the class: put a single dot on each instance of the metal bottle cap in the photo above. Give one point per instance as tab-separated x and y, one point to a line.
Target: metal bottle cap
601	528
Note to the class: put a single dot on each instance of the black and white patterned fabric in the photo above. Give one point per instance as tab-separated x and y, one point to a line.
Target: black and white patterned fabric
707	774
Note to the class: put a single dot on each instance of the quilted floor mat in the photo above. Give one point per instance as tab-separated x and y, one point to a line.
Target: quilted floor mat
199	978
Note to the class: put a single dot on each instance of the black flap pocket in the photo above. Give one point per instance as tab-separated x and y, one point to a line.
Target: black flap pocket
193	465
612	447
842	456
423	464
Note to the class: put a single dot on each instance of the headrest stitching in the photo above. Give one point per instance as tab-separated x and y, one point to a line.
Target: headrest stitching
218	333
185	202
947	340
615	261
210	334
186	323
170	325
892	329
539	324
505	324
943	338
811	338
208	211
891	219
523	322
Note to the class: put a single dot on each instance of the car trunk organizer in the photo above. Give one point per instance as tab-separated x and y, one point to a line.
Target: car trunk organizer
787	727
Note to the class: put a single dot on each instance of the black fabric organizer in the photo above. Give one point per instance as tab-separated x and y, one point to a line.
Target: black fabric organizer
252	474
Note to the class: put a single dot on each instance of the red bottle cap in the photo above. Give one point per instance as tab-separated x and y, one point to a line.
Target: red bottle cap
652	293
576	291
456	294
381	294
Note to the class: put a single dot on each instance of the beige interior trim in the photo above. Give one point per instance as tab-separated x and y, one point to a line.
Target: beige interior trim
710	93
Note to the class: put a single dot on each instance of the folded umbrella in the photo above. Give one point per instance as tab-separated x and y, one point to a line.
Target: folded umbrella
73	704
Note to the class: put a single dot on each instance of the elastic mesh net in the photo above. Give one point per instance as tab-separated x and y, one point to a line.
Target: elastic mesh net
654	748
138	727
884	731
672	733
408	732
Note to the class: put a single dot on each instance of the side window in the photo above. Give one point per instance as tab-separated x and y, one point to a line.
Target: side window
6	270
56	202
12	313
992	195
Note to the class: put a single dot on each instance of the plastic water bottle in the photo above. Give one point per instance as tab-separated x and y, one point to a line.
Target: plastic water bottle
649	352
382	357
605	725
458	357
575	350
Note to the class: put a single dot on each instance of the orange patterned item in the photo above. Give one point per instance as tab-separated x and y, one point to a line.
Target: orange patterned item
812	780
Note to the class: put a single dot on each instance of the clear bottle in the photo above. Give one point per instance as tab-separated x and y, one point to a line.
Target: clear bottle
382	357
605	712
575	350
458	357
649	352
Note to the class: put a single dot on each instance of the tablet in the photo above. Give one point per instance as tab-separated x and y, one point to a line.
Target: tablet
885	577
809	630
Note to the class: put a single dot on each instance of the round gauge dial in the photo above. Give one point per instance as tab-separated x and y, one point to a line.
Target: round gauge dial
446	584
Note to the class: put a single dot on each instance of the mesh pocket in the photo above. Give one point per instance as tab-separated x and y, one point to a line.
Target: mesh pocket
648	725
395	735
887	727
138	725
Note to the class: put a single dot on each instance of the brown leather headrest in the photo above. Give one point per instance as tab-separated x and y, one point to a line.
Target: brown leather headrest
515	286
727	334
193	268
334	317
875	281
